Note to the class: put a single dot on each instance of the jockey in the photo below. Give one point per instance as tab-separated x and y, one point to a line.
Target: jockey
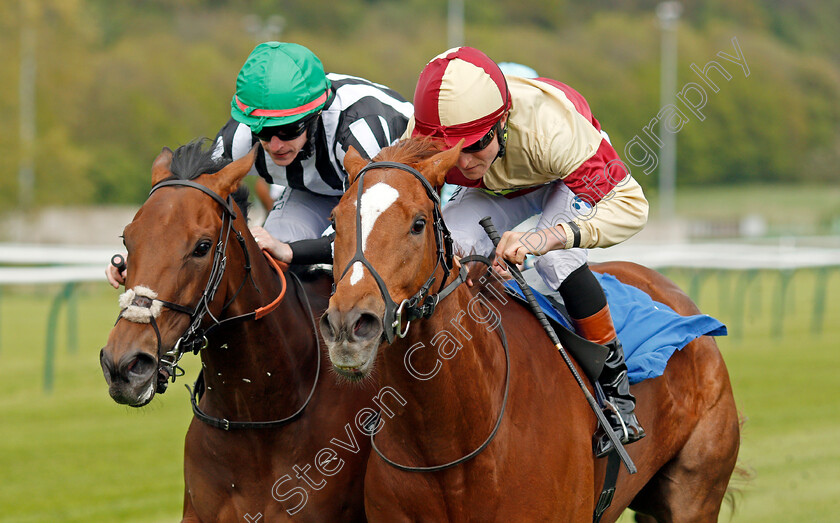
305	121
532	147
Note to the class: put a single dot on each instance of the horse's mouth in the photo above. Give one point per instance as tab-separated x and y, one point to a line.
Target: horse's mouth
352	369
351	373
146	396
131	397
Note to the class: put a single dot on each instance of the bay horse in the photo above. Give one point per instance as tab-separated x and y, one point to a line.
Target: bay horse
488	424
198	280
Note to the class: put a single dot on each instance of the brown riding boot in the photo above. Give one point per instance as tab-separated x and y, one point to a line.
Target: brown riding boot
620	402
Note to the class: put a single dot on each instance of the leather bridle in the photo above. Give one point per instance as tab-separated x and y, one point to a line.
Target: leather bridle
194	337
421	304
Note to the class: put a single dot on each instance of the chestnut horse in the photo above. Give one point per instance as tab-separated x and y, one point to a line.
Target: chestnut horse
198	280
490	425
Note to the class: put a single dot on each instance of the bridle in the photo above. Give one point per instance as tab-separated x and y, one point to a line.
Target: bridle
194	337
421	304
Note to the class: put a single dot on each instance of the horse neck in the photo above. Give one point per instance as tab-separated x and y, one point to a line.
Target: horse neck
276	354
464	397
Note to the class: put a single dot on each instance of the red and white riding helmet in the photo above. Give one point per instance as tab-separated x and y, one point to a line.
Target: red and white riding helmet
461	93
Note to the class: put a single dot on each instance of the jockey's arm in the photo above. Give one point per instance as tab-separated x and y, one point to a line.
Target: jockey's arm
614	219
301	252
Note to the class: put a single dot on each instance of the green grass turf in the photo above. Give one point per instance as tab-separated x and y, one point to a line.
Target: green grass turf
75	455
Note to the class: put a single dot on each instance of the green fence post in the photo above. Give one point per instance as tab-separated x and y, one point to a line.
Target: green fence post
724	301
742	285
785	277
695	286
820	285
72	319
52	321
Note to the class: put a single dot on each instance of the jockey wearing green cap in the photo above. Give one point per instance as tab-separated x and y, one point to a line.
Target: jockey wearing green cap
305	121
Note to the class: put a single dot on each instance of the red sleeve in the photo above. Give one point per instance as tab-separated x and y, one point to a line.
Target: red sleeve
597	176
576	98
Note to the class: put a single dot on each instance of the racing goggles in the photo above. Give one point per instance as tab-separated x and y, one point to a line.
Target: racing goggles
286	132
482	142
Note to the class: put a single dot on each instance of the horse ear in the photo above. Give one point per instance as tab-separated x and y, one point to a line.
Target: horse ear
160	168
227	179
436	167
353	164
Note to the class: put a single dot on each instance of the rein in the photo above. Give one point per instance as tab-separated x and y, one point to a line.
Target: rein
224	424
480	448
421	304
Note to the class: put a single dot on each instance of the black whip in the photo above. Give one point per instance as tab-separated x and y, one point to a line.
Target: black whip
491	231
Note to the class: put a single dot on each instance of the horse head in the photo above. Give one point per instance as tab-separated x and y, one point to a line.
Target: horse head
177	255
390	249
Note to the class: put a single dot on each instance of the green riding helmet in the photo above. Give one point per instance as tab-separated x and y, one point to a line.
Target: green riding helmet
279	84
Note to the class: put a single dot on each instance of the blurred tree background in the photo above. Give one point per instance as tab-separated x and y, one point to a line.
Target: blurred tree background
116	81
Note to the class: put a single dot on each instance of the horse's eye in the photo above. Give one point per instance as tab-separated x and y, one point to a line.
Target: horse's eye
202	248
418	226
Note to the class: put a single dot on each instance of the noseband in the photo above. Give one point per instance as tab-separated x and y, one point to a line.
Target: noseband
195	337
421	304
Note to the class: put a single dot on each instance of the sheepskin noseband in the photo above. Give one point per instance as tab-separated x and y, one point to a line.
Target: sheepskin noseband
140	304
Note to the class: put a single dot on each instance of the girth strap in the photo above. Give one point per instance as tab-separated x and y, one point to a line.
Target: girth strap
608	490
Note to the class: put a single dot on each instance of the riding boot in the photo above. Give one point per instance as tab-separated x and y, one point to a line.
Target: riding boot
620	403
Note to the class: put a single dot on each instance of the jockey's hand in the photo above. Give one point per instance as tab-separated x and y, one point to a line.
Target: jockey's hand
115	277
514	246
279	251
512	249
501	269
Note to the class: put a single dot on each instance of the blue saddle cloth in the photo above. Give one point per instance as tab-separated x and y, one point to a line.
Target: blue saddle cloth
649	331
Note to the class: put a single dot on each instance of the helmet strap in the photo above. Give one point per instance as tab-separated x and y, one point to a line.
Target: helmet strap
311	131
502	134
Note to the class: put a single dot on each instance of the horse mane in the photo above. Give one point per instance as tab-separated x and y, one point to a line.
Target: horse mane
196	158
411	150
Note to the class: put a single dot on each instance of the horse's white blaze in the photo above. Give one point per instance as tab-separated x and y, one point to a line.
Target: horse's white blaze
375	201
356	275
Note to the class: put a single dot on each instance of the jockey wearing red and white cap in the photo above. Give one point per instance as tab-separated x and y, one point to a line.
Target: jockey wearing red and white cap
532	147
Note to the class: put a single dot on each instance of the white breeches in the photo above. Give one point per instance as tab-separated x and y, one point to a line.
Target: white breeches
553	204
299	215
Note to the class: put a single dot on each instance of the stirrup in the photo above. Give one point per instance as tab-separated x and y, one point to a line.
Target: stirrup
601	443
625	434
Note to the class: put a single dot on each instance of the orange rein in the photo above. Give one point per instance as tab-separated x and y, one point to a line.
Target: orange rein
280	267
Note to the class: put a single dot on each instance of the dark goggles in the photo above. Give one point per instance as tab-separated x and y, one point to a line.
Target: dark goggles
482	142
286	132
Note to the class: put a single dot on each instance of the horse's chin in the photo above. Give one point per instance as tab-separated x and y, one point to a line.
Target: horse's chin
352	360
134	397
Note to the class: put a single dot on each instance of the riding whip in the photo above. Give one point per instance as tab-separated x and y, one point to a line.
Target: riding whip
491	231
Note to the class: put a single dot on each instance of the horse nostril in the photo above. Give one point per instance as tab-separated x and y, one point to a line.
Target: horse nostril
142	366
327	330
366	327
107	364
